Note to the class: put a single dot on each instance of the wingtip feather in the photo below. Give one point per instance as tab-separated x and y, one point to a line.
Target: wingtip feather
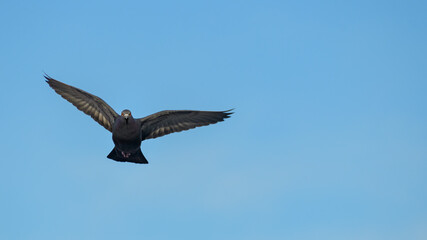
48	78
228	112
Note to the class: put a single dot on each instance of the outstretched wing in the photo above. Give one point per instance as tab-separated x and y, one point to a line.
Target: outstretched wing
86	102
165	122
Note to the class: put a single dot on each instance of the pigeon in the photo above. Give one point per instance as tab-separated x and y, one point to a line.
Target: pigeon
128	132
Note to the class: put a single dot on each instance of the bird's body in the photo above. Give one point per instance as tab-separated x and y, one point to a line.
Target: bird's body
126	135
127	140
129	132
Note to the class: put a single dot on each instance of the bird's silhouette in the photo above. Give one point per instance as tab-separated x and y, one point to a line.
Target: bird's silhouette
129	132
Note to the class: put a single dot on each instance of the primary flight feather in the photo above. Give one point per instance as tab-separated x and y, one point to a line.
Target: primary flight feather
129	132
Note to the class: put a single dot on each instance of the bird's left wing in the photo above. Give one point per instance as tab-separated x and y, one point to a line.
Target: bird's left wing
169	121
90	104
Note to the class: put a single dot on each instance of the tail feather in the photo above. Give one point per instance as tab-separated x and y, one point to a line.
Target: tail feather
136	157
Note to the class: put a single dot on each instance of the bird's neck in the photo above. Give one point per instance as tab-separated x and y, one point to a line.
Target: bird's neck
129	122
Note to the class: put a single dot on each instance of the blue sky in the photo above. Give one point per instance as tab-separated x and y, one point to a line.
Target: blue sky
328	140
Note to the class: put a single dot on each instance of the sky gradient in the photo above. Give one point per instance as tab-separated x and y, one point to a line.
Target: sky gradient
328	140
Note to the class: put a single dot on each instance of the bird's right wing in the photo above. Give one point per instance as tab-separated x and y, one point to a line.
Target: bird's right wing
165	122
90	104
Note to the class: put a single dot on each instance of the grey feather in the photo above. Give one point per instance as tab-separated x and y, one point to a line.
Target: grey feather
90	104
170	121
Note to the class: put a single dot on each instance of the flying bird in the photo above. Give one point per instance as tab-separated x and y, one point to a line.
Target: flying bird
128	132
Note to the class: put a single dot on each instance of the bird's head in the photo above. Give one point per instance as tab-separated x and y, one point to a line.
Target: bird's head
126	114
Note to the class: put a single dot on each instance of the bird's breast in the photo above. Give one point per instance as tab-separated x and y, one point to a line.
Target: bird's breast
126	131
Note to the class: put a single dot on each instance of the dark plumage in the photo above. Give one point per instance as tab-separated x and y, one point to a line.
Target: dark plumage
128	132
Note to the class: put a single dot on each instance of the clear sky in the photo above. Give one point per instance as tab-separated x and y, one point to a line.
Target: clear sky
329	138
